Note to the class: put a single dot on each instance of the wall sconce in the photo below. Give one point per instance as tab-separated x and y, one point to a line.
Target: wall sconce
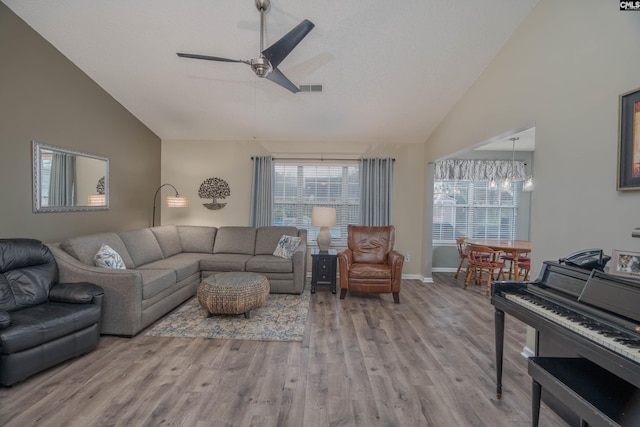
324	218
176	201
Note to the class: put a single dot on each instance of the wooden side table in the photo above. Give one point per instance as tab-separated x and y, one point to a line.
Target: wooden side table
324	269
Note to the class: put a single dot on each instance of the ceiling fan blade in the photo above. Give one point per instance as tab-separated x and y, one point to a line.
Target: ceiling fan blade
277	77
280	49
210	58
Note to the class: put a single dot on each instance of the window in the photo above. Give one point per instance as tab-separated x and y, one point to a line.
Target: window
472	209
45	176
300	187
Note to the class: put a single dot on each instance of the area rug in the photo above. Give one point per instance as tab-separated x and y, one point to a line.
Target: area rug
281	318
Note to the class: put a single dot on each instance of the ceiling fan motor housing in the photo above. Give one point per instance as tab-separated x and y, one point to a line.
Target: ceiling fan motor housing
261	66
263	5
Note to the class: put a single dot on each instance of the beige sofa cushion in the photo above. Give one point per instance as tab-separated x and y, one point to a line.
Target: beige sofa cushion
267	238
142	246
235	240
269	264
184	265
194	238
224	262
156	281
84	248
168	239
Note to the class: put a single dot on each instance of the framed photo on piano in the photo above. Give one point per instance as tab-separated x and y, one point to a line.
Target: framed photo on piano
625	263
629	144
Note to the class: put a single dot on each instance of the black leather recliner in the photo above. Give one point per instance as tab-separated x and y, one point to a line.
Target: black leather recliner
42	322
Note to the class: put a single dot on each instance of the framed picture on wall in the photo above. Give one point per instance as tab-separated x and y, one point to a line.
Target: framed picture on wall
629	144
625	263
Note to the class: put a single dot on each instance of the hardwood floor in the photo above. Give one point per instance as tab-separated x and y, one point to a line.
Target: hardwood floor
365	361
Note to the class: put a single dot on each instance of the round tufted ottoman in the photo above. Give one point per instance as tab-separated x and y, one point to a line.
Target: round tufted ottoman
233	293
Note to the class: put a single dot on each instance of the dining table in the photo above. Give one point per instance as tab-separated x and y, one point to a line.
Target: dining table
513	247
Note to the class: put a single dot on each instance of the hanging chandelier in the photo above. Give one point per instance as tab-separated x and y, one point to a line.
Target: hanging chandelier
506	184
528	182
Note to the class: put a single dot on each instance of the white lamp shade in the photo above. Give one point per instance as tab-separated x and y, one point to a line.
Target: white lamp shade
177	202
323	217
97	200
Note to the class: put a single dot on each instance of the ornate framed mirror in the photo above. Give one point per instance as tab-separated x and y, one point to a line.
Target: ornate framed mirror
66	180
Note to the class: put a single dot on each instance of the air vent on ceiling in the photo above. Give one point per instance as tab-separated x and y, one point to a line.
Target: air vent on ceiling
310	88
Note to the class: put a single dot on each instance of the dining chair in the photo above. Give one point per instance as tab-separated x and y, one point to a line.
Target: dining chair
462	253
525	267
508	258
484	259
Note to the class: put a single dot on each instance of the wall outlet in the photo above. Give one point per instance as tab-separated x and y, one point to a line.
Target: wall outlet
407	258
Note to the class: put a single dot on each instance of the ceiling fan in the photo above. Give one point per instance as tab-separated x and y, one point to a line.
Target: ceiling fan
266	65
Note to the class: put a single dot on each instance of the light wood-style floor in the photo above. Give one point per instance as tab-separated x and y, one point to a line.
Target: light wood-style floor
365	361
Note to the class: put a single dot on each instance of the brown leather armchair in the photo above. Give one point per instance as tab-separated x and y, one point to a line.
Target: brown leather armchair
370	264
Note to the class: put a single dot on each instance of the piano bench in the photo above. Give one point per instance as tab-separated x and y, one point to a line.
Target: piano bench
597	396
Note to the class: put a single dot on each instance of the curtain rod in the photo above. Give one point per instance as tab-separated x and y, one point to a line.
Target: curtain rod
322	159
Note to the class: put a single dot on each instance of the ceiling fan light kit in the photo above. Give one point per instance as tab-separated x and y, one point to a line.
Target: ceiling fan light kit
266	65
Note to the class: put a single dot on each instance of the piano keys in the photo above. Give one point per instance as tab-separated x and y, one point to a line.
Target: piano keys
599	333
595	314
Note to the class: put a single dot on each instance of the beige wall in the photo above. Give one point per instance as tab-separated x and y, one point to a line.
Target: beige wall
185	164
45	97
563	71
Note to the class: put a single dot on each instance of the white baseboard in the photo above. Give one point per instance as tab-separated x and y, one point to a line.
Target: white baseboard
412	276
527	352
445	269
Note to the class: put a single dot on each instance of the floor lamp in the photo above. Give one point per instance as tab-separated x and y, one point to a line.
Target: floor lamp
176	201
97	200
324	218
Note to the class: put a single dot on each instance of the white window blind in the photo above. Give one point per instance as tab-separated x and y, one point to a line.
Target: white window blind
472	209
300	187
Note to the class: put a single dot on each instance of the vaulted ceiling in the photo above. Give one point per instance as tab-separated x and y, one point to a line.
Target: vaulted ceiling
390	70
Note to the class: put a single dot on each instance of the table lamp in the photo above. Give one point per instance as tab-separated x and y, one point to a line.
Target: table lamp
324	218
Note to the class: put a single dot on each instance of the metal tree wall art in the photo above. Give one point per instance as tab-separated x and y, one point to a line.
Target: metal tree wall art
100	186
214	188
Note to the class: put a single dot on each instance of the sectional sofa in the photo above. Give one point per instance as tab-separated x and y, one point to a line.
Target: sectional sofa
165	264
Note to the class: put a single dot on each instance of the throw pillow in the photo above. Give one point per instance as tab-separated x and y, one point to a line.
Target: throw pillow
108	258
286	246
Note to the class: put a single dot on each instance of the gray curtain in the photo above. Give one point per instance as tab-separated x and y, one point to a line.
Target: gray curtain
262	192
376	184
62	180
